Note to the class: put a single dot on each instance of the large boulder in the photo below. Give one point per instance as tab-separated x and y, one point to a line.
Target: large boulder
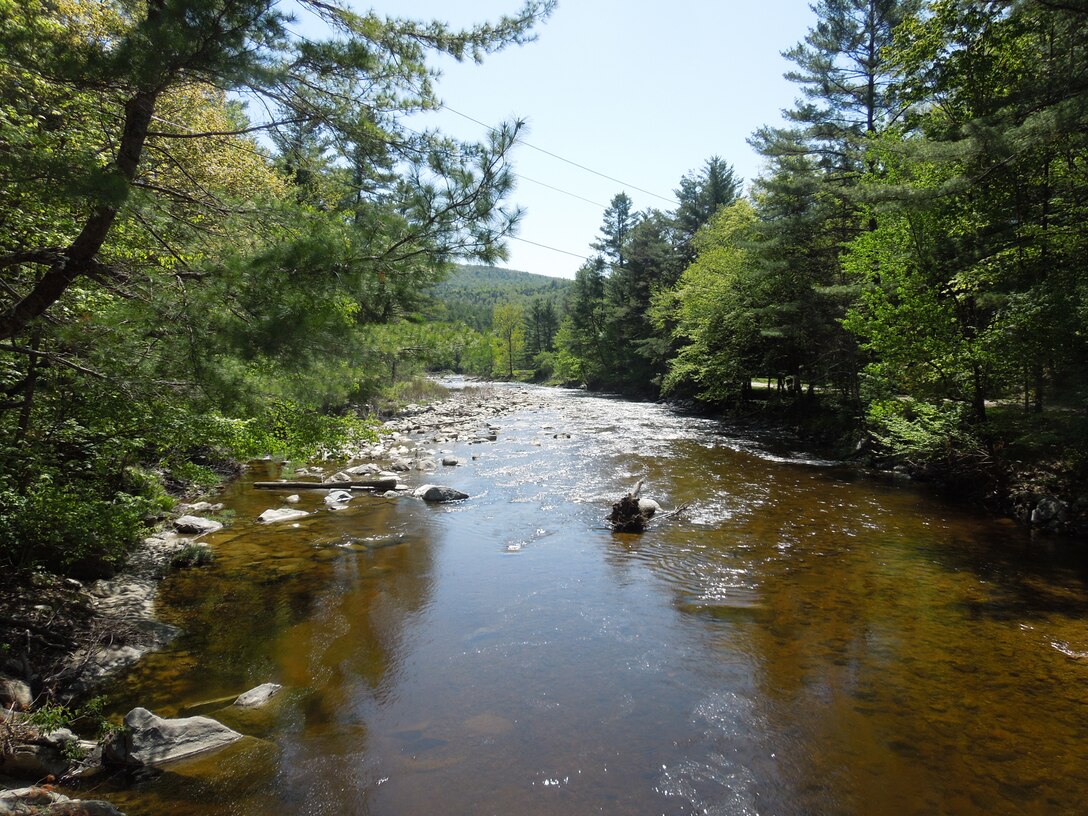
196	525
438	493
152	740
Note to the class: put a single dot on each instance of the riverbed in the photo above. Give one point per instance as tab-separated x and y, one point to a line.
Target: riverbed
803	639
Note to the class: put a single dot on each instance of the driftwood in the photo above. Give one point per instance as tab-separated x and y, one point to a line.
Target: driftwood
626	515
629	515
368	484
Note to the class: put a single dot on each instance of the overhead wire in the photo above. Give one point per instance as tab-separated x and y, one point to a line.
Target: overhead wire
564	159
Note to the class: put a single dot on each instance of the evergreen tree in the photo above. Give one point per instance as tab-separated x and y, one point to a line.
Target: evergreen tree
618	221
700	195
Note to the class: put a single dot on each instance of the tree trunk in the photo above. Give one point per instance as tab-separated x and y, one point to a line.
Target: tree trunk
80	256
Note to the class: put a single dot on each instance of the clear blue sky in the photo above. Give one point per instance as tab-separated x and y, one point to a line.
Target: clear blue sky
643	92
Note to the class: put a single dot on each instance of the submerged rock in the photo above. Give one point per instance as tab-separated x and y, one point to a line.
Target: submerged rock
283	514
256	697
149	740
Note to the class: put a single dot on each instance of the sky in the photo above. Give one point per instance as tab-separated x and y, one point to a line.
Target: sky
642	92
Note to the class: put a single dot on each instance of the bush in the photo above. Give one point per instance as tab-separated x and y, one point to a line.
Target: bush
68	528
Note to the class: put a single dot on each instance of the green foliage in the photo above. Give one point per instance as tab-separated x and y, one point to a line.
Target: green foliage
50	717
292	431
934	439
68	527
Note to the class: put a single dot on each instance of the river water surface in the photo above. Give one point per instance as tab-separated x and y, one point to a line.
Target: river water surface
803	640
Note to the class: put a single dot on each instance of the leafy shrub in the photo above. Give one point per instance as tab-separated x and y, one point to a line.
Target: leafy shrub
934	438
66	528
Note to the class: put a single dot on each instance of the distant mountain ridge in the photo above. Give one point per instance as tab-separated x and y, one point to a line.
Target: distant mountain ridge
472	291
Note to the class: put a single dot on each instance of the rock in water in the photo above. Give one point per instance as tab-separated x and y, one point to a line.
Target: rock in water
338	497
258	696
152	740
51	803
648	507
284	514
438	493
195	525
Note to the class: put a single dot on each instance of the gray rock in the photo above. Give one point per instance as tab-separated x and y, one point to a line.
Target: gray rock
152	740
438	493
341	476
283	514
294	498
1050	510
427	465
196	525
363	470
338	497
256	697
45	802
25	761
14	692
648	507
390	494
450	461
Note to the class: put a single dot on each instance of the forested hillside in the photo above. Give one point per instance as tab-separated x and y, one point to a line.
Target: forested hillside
470	293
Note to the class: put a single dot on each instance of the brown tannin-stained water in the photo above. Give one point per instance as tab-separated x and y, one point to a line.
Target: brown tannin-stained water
803	640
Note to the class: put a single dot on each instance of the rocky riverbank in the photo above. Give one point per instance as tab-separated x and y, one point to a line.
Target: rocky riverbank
62	638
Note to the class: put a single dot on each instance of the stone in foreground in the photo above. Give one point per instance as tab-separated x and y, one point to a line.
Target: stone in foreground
51	803
152	740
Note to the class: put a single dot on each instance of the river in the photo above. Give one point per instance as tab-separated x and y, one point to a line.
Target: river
803	640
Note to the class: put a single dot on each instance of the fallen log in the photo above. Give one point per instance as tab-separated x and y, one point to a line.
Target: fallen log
359	484
631	514
626	515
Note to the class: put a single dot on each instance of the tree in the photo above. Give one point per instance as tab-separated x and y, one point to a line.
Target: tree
616	225
167	277
584	355
700	195
507	322
713	312
635	345
355	85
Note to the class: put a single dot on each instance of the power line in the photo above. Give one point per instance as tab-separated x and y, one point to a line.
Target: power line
545	246
568	161
564	192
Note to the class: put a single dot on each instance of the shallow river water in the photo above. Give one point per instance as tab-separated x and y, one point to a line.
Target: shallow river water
803	640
